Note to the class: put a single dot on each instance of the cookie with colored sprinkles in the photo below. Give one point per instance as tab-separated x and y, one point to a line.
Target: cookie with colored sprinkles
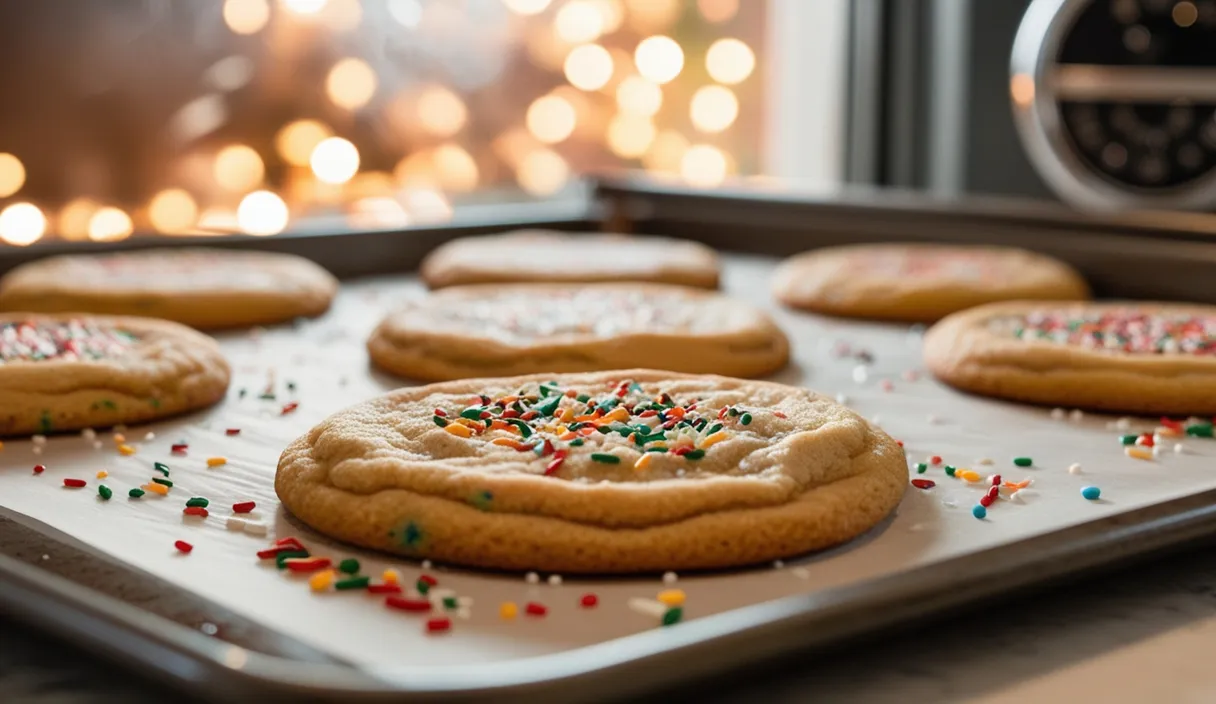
511	329
543	256
199	287
610	472
67	372
1151	358
920	282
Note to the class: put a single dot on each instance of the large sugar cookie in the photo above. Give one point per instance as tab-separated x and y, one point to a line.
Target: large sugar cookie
512	329
203	288
920	282
540	256
62	372
621	471
1131	357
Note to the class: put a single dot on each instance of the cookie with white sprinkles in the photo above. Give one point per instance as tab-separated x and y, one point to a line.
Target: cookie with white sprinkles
622	471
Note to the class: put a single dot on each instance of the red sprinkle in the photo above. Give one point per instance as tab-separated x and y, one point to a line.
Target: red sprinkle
936	459
384	589
1146	440
74	483
196	511
244	507
307	564
1171	424
558	458
39	469
429	580
779	414
996	480
899	442
722	413
290	540
536	609
442	413
985	501
589	600
183	546
179	448
510	413
406	604
648	414
232	431
682	450
438	625
994	493
924	483
529	415
288	408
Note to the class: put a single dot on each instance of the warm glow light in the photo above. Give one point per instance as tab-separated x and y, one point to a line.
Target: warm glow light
172	210
703	165
589	67
74	219
526	7
217	221
417	169
1185	13
442	112
729	61
408	13
542	172
718	11
551	118
262	213
513	145
378	212
109	224
629	136
12	175
238	168
351	83
647	16
611	14
455	168
22	224
246	16
714	108
667	153
334	160
342	15
638	96
579	21
1021	89
304	7
296	141
427	205
659	59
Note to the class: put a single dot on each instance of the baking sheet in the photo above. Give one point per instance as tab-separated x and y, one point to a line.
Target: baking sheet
324	359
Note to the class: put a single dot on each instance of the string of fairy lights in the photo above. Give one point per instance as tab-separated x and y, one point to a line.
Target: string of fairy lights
667	86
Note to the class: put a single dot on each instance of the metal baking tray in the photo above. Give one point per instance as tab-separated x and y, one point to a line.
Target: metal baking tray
55	584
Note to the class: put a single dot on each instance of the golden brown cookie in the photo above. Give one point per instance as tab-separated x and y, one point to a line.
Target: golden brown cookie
1150	358
624	471
202	288
66	372
544	256
920	282
510	329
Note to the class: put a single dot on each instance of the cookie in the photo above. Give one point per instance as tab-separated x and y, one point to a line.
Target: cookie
1145	358
507	330
202	288
920	282
611	472
544	256
67	372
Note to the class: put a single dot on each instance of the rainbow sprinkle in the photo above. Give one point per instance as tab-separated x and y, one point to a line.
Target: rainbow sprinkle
68	341
1127	330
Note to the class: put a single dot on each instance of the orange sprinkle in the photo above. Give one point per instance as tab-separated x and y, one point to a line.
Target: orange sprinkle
586	418
643	461
676	412
508	442
508	400
967	475
119	438
460	431
567	415
320	581
103	474
672	597
568	435
587	430
391	576
1017	485
1138	453
156	488
500	425
126	450
617	414
217	461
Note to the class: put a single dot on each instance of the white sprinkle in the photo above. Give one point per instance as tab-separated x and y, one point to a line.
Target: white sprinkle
984	461
426	564
88	434
96	444
801	573
532	578
949	503
209	629
39	439
464	602
1074	468
235	524
256	528
1058	414
555	580
150	436
876	420
1076	415
1016	497
45	557
1179	449
917	527
1123	424
464	614
778	564
860	374
670	578
37	450
647	607
842	399
1156	450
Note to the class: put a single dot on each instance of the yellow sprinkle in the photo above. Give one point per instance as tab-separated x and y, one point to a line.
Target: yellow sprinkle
391	576
156	488
561	430
714	439
320	581
617	413
644	461
671	597
470	424
508	610
567	415
126	450
1168	432
1139	453
968	475
458	430
103	474
216	461
119	438
507	442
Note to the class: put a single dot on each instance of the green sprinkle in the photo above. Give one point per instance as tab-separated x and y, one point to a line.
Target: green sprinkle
268	396
472	413
291	386
745	419
524	429
161	467
605	458
135	493
582	398
656	449
349	566
1128	439
694	454
625	431
449	602
921	467
576	442
949	470
673	616
546	389
241	393
1023	461
199	502
45	422
548	406
104	492
1200	430
604	430
162	481
732	412
422	587
281	559
439	421
609	403
154	402
714	429
352	583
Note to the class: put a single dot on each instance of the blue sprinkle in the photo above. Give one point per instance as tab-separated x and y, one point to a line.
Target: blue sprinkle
1091	492
979	512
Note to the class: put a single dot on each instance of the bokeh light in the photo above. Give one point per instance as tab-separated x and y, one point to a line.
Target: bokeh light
408	13
579	21
246	16
22	224
729	61
427	205
588	67
713	109
441	111
351	83
110	224
718	11
12	175
542	172
666	154
304	7
238	168
455	167
378	212
334	161
659	59
262	213
295	141
704	166
646	16
526	7
638	96
74	219
172	210
551	118
629	136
